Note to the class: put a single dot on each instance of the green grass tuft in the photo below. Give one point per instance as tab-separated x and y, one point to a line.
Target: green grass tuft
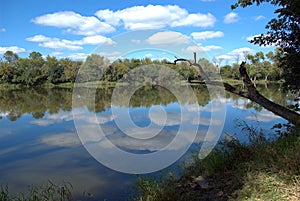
261	170
47	192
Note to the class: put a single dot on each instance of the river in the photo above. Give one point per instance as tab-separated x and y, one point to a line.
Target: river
39	139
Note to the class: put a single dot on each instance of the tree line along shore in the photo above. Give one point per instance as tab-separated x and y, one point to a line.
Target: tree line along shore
37	70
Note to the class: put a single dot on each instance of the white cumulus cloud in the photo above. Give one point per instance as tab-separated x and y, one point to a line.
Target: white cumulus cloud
260	17
168	38
61	140
54	43
95	40
196	20
14	49
211	47
60	44
224	57
207	35
236	54
78	56
231	18
263	116
243	50
155	17
74	23
200	48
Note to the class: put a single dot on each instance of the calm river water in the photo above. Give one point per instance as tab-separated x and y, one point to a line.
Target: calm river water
39	141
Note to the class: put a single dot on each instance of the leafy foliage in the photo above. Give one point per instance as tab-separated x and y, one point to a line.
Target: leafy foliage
260	67
37	70
283	31
259	170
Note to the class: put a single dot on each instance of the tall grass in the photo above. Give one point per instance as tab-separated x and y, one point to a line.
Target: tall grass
47	192
262	169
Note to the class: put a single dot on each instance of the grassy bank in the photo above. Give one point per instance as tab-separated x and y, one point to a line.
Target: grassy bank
261	170
49	191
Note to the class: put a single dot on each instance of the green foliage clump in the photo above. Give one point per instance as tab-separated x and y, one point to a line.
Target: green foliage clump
48	192
284	32
263	169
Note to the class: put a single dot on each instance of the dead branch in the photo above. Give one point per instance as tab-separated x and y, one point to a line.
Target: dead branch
251	93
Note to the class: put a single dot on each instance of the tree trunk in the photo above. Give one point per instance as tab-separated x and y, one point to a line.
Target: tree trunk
266	78
255	96
251	94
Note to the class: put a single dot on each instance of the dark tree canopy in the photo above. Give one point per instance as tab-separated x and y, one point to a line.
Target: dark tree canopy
282	31
10	56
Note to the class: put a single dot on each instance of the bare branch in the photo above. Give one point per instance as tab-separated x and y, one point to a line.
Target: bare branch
251	94
199	67
186	60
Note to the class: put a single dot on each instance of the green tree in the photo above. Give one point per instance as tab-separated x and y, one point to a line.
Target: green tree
187	72
134	63
274	58
70	69
29	71
263	66
235	71
268	70
6	72
210	69
116	71
225	71
93	68
283	31
54	69
146	61
35	56
10	56
256	70
37	69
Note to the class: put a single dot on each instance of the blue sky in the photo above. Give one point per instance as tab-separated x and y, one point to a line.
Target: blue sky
75	28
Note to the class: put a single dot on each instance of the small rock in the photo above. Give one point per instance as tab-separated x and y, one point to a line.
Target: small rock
220	193
199	178
201	182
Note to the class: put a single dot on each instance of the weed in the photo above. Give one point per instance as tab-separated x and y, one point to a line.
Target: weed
259	170
48	192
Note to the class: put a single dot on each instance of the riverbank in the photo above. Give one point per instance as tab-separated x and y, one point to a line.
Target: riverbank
67	85
261	170
103	84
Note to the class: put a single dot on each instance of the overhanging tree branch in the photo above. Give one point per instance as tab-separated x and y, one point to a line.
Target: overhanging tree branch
251	93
